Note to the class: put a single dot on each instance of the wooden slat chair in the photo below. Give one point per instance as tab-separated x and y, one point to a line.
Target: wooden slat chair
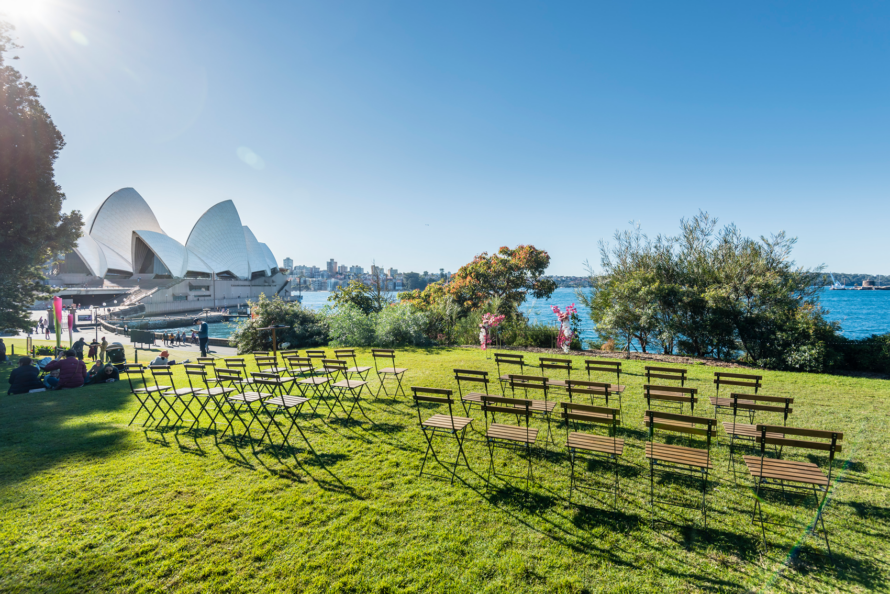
606	367
171	396
209	364
239	400
391	372
608	447
257	354
316	355
593	390
553	365
240	365
338	368
289	406
679	460
289	353
312	386
743	380
463	376
673	398
802	476
207	395
751	403
666	373
537	407
509	436
508	360
361	371
275	384
269	365
145	394
440	425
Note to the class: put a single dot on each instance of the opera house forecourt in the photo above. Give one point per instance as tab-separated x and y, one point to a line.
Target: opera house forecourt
125	258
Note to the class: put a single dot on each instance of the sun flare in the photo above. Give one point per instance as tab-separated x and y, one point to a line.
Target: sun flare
24	9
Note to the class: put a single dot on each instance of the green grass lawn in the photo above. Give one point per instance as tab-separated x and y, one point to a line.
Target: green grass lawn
88	504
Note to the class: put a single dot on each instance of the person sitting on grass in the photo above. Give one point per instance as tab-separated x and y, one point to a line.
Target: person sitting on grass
24	378
73	371
106	375
51	379
161	359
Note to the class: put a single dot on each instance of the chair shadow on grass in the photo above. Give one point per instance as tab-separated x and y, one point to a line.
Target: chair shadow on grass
38	429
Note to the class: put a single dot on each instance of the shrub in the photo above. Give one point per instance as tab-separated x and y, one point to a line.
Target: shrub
349	326
401	325
304	328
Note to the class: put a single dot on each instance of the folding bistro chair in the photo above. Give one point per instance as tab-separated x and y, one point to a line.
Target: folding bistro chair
257	354
507	359
300	366
440	425
316	355
312	386
209	364
802	475
146	394
666	373
288	406
607	367
239	365
508	436
289	353
537	407
269	365
549	363
608	448
471	397
384	373
668	459
746	431
207	395
674	398
360	370
239	400
593	390
172	395
752	382
344	387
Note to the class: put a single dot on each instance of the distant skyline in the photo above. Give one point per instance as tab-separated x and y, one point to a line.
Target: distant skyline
421	134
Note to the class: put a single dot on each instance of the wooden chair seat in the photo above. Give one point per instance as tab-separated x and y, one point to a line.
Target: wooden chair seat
541	406
596	443
590	415
278	382
512	433
151	389
664	395
358	369
474	397
557	383
727	402
393	370
678	454
214	391
179	392
247	397
746	431
350	384
287	401
315	381
445	422
786	470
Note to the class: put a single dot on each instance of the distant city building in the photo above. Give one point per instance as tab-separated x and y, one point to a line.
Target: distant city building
392	272
356	270
288	264
342	269
332	266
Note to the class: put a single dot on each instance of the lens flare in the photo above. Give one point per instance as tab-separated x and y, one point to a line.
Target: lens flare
79	38
23	8
250	157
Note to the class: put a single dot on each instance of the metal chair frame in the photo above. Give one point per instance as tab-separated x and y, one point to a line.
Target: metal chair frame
207	394
436	426
147	392
541	407
475	377
397	373
585	413
339	389
361	371
512	406
508	359
594	390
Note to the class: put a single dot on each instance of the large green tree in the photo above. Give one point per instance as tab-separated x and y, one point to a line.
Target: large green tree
33	227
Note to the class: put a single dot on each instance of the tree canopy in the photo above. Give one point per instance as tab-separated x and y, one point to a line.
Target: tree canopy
33	227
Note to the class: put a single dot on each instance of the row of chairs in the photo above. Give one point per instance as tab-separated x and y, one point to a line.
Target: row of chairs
664	458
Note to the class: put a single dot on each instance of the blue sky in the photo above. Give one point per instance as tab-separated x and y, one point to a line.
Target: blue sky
419	134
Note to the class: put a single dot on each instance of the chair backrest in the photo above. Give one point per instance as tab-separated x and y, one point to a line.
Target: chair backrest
744	380
289	353
587	413
236	364
131	369
383	354
831	446
688	424
677	394
316	354
510	406
433	396
300	364
667	373
162	371
346	354
578	387
266	362
334	366
195	372
594	365
258	354
233	376
472	376
558	364
509	359
207	361
265	378
752	402
529	382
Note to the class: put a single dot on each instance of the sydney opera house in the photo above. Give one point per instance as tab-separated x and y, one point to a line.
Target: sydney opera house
124	255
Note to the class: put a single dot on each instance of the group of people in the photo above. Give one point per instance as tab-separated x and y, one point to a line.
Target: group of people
174	338
67	371
96	349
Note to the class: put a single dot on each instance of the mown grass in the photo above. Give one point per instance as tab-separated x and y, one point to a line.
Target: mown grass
88	504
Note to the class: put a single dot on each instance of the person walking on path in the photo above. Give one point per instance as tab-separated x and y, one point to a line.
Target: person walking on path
203	335
94	350
102	346
24	378
73	372
78	347
46	331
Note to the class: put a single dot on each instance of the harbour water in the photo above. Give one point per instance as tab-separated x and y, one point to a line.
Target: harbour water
861	313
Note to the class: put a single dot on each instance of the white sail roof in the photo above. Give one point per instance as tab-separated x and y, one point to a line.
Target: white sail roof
218	239
114	221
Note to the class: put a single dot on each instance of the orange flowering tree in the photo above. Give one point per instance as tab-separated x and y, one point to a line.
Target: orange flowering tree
510	275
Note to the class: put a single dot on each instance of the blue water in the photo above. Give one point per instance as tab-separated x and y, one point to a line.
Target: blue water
861	313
